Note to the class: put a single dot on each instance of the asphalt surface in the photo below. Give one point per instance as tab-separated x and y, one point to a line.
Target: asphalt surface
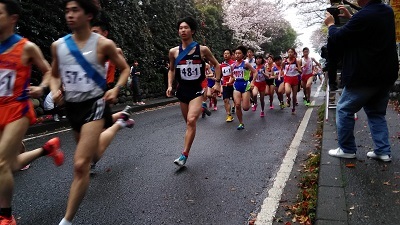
226	179
360	191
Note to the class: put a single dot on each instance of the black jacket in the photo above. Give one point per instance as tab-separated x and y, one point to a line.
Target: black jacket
368	41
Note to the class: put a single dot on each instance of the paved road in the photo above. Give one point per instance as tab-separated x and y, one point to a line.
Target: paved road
226	179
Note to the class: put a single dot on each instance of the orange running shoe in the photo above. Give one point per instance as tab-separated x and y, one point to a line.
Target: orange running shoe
4	221
52	148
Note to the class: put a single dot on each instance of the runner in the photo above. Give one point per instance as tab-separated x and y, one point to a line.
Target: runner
227	83
212	96
188	67
307	74
79	59
270	80
291	71
279	84
102	29
17	55
242	85
250	59
259	84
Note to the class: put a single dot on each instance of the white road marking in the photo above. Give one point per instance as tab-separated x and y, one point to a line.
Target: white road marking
47	134
271	203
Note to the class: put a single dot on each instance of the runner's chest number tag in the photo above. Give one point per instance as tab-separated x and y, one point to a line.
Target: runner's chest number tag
226	71
75	79
190	71
7	82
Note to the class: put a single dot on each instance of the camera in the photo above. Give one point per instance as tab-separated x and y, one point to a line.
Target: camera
334	11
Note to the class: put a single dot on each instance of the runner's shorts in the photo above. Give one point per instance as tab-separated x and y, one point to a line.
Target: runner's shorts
241	86
227	92
210	82
80	113
270	82
14	111
293	81
305	77
261	86
187	94
278	82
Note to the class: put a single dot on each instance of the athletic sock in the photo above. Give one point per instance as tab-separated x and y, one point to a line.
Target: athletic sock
185	154
65	222
6	212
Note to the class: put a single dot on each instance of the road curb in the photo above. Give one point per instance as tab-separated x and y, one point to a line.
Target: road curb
331	202
50	126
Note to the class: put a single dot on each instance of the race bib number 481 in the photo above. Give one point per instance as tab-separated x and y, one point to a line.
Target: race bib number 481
75	79
190	71
7	82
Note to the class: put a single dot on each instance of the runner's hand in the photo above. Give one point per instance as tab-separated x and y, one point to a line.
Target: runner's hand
169	92
217	87
58	98
35	91
111	95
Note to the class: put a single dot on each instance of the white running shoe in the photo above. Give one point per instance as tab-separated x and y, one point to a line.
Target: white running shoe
385	158
338	152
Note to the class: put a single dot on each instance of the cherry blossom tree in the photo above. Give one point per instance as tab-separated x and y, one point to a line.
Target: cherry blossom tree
254	22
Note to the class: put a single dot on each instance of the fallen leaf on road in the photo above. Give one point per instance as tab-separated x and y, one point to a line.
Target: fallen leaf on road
396	192
386	183
294	220
288	223
350	165
352	208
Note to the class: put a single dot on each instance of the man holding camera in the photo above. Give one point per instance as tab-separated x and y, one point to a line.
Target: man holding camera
370	67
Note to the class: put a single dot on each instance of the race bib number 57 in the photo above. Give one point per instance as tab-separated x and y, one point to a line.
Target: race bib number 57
75	79
7	82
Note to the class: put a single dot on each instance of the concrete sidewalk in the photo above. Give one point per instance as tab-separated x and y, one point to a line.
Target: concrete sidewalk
50	126
359	191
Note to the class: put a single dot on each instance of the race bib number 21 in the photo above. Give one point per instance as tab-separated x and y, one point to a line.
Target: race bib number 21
7	82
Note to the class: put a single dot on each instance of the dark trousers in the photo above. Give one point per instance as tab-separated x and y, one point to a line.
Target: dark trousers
136	95
335	55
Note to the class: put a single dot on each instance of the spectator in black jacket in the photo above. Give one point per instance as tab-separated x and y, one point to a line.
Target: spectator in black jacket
370	67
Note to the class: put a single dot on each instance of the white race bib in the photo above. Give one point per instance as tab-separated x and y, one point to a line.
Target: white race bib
226	71
75	79
7	82
190	71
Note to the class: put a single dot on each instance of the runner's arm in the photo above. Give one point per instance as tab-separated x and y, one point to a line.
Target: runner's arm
37	58
55	80
171	71
111	52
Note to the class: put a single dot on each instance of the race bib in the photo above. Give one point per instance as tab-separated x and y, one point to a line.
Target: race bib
75	79
260	75
238	74
7	82
190	71
226	71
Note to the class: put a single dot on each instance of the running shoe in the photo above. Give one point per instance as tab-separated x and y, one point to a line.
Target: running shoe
308	103
254	107
92	170
288	102
52	149
130	123
215	108
181	161
240	127
282	105
293	111
125	113
229	118
233	109
271	107
207	112
262	114
56	118
25	167
385	158
7	221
